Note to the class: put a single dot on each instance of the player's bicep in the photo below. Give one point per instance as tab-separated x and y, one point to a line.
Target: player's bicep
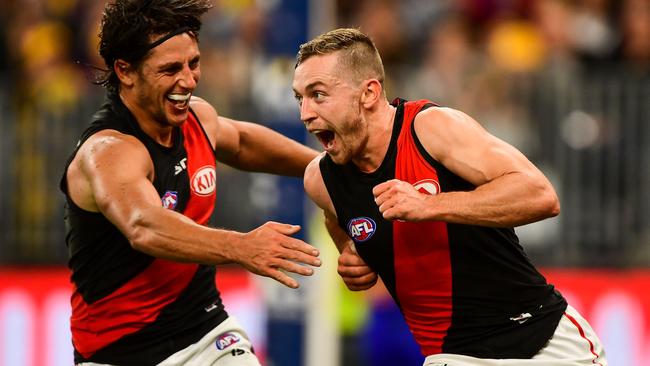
464	147
119	171
208	117
316	190
228	140
315	186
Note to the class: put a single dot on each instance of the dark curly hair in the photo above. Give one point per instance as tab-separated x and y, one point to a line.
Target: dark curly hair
129	27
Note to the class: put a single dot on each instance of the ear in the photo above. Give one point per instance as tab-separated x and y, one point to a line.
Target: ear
372	92
124	72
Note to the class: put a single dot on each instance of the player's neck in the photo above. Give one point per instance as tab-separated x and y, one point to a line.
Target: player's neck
163	135
380	131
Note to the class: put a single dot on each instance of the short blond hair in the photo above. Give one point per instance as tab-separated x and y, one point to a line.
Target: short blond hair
358	53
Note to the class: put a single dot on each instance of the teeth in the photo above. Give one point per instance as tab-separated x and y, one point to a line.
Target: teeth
179	97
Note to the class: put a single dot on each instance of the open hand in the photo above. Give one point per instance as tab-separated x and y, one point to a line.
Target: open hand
269	250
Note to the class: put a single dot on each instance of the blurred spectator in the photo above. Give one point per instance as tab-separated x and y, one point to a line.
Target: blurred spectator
593	30
449	64
381	20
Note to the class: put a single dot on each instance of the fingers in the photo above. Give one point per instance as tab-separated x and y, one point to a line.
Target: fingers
278	271
391	214
383	187
294	267
286	229
361	283
283	278
354	271
271	252
385	195
292	243
300	247
395	198
350	259
299	251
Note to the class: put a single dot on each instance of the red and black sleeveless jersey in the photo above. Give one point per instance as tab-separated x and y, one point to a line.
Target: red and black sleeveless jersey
462	289
129	308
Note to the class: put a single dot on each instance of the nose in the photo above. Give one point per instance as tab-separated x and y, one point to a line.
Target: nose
307	113
188	78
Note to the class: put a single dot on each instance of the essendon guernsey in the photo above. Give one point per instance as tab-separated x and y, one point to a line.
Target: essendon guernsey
130	308
462	289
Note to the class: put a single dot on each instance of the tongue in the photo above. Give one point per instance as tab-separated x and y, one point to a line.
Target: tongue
327	138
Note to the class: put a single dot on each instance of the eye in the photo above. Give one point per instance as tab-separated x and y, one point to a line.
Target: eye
194	63
298	99
171	70
318	95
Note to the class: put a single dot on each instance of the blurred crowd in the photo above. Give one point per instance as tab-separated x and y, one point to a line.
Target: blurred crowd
566	81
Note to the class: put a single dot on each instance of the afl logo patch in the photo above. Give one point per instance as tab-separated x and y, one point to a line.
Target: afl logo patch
361	228
170	200
203	182
427	186
226	340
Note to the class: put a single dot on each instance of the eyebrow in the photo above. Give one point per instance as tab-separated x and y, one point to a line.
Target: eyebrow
175	64
169	65
311	86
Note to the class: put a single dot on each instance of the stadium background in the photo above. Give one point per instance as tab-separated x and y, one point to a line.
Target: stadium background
565	81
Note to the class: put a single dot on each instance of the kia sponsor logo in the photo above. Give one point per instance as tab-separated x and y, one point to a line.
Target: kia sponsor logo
203	182
361	228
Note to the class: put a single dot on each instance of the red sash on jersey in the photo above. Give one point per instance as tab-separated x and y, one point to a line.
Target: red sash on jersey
423	279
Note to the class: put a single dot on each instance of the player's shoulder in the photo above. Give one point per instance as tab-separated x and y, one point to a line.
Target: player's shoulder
315	186
313	177
202	108
207	116
112	144
313	168
438	123
112	138
439	114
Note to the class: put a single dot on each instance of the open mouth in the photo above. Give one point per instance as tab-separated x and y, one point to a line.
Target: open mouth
326	138
180	101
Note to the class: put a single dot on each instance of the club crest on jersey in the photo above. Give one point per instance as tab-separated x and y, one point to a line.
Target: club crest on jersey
427	186
170	200
203	181
226	340
361	228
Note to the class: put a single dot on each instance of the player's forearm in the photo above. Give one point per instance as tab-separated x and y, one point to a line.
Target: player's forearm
264	150
508	201
166	234
340	239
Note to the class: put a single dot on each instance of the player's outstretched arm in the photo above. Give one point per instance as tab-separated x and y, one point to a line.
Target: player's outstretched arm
510	190
112	174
